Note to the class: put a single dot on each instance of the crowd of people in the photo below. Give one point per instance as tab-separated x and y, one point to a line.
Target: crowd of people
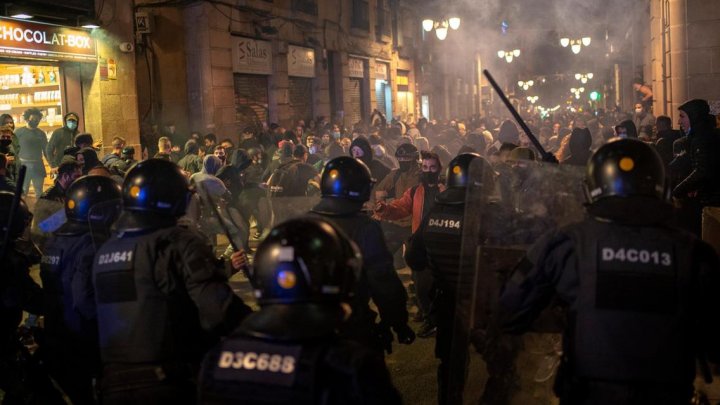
137	306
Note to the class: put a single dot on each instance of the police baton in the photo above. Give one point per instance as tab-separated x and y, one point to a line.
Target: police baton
546	156
13	209
245	269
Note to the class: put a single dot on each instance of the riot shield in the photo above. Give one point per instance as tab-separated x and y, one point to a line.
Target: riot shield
285	208
506	211
48	216
217	217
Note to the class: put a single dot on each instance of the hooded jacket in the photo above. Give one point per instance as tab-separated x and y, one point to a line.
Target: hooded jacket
213	185
630	127
579	144
377	168
60	139
232	175
704	152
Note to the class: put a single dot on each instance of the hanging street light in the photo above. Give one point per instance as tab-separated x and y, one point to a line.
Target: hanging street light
509	55
441	26
532	99
577	92
525	85
575	44
583	77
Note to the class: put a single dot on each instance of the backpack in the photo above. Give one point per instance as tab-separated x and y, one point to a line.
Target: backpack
283	181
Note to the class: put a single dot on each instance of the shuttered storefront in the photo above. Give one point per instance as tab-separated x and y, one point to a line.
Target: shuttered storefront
300	98
251	99
355	113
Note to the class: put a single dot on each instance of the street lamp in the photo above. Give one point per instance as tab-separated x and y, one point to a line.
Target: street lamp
441	26
575	44
577	92
525	85
509	55
532	99
583	77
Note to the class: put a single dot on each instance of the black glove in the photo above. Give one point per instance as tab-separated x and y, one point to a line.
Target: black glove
384	337
405	335
550	158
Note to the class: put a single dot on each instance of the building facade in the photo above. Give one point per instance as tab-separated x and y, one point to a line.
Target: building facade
211	67
62	67
683	53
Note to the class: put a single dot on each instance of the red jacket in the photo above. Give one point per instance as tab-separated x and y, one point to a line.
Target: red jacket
407	205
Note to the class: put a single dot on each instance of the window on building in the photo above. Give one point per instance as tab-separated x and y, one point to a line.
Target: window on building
361	15
305	6
383	29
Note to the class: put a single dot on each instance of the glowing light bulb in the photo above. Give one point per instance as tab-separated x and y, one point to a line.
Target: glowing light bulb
564	42
586	41
428	24
575	48
441	32
454	22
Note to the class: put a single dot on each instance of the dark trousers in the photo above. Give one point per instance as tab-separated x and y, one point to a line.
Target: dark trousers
452	348
35	174
606	393
161	394
423	281
150	384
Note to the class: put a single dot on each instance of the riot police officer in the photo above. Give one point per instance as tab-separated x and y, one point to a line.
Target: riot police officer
289	351
162	297
640	295
70	346
19	377
345	185
436	245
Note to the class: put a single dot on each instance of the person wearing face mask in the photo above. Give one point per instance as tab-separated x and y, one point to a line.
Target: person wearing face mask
626	129
643	120
6	148
7	119
61	138
32	142
416	202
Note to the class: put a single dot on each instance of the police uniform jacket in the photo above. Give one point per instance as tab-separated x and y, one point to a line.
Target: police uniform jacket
639	298
161	297
378	279
66	272
248	370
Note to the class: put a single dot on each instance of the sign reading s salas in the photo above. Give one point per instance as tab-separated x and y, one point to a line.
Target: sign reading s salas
251	56
30	39
301	61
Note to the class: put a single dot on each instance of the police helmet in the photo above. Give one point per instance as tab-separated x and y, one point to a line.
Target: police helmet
625	168
85	193
304	276
458	171
21	219
407	151
156	186
346	178
305	260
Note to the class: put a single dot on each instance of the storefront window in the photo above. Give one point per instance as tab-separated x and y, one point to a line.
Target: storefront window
32	86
